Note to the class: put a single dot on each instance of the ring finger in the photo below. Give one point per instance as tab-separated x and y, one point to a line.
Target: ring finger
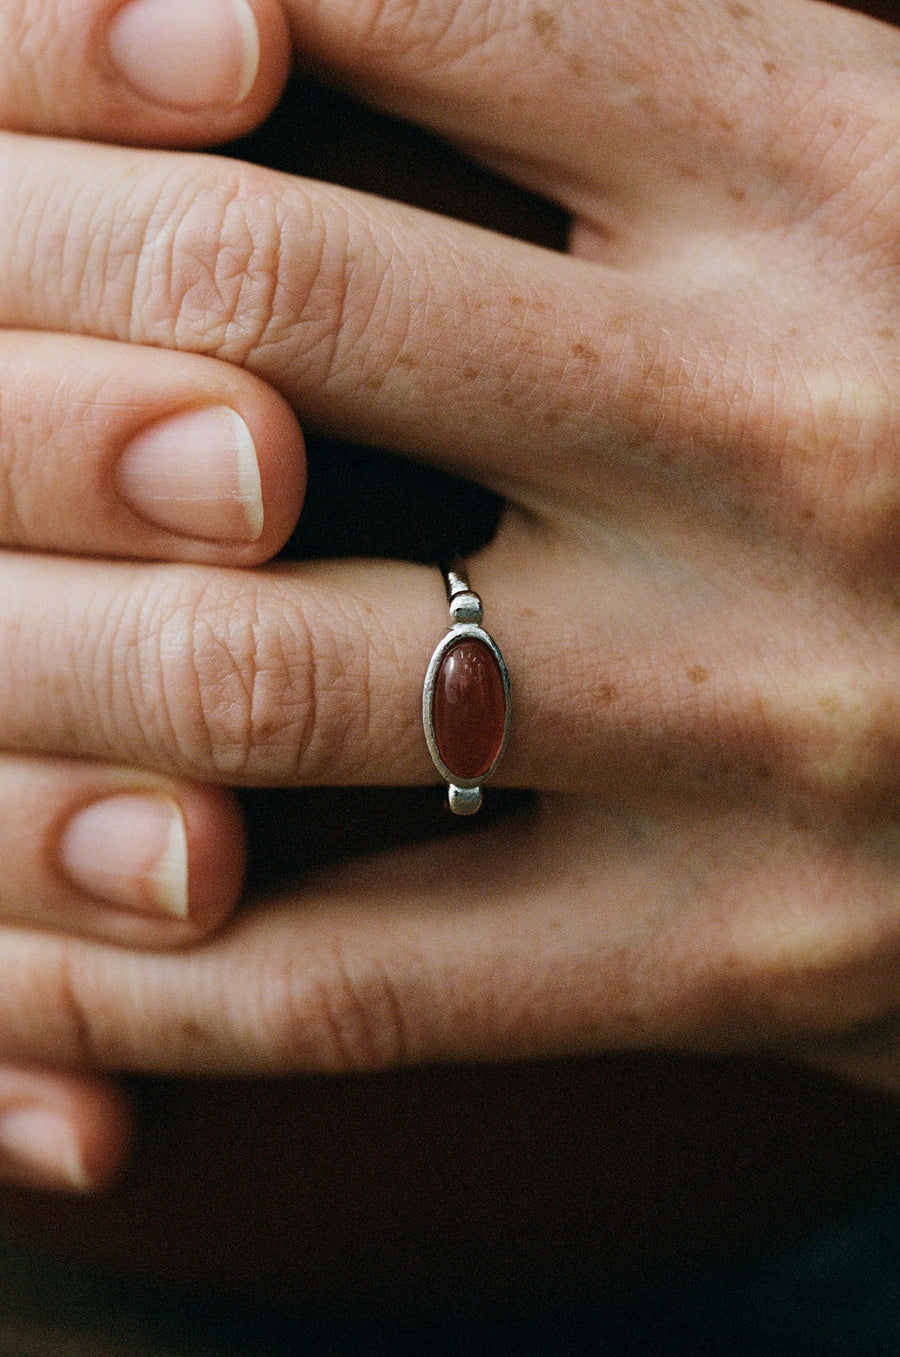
313	674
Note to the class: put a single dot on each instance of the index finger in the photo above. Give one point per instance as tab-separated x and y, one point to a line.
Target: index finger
381	323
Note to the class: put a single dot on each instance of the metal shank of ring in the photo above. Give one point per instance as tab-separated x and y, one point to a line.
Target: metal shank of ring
466	700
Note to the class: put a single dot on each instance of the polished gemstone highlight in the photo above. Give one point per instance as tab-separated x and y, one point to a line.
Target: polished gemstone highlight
469	709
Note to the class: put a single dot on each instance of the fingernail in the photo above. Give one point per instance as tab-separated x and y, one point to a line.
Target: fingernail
38	1147
187	54
129	851
195	474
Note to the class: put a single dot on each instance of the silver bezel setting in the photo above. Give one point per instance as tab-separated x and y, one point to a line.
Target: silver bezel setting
465	619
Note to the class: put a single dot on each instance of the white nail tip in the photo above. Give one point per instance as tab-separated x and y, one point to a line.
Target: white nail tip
171	876
248	478
246	21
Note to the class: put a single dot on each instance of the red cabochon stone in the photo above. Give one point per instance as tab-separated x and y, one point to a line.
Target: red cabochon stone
469	709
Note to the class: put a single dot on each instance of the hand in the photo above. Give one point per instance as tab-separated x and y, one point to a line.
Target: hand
694	583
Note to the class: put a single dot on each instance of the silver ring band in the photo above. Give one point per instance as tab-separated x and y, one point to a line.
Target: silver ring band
466	700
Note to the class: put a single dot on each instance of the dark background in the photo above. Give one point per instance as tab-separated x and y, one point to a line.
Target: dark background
616	1204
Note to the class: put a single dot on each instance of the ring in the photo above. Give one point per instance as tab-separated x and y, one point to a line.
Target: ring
466	700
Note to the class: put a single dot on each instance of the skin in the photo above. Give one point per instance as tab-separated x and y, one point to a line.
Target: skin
691	419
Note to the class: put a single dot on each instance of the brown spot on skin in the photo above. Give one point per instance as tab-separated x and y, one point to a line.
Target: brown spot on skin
887	333
617	325
551	417
607	693
194	1033
697	674
580	350
546	26
469	374
770	67
577	66
688	172
740	13
737	194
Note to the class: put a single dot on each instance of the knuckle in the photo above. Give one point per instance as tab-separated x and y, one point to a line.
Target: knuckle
208	274
233	697
839	736
236	266
342	1012
239	685
423	34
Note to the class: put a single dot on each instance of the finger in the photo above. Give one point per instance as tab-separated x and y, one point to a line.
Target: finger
134	859
60	1132
314	674
382	323
528	371
167	72
572	928
113	450
634	83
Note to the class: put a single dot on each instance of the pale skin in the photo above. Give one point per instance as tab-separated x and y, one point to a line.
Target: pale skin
692	418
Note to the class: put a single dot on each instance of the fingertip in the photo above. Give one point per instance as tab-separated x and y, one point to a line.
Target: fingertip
61	1132
132	860
217	856
189	72
281	460
154	866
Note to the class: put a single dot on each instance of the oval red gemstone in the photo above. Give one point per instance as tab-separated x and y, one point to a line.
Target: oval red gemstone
469	709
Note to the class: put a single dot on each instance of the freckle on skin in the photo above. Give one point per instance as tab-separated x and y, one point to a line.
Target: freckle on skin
584	351
740	13
192	1031
546	25
697	674
607	694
